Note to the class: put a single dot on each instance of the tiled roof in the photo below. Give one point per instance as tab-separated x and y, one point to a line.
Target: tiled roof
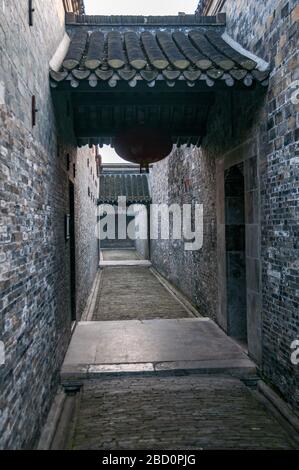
134	187
130	49
140	20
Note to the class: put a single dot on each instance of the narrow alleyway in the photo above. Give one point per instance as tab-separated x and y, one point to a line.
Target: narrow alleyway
153	375
148	224
133	292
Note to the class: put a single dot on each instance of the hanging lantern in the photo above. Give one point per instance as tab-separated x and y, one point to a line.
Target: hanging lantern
143	145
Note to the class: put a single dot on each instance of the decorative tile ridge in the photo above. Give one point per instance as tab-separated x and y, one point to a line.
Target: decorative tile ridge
129	199
115	20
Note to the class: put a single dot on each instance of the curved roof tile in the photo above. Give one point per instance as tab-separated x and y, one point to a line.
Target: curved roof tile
204	52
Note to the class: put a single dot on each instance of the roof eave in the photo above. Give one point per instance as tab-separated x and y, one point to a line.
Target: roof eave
133	20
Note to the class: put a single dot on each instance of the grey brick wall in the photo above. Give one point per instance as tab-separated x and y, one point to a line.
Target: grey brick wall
270	29
35	316
24	61
188	177
260	129
86	195
34	273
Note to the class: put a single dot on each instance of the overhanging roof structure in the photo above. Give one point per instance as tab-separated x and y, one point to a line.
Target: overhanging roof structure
127	70
133	186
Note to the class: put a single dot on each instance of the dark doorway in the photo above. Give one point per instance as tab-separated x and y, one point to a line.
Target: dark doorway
72	250
235	252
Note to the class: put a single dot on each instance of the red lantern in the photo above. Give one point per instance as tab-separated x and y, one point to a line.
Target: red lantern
143	145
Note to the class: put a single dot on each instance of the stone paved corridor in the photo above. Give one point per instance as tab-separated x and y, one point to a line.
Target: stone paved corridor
133	292
153	376
173	413
149	207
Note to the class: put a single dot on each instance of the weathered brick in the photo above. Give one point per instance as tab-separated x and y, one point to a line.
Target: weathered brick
35	312
266	29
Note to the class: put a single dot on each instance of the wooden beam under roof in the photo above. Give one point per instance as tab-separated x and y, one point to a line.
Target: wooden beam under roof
141	99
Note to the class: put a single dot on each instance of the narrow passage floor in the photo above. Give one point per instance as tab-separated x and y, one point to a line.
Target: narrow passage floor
153	375
193	412
134	293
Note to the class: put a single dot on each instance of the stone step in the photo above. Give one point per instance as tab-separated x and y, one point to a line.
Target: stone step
129	262
73	376
151	347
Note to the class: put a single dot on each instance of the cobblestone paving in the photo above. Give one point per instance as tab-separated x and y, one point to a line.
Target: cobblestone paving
191	412
134	293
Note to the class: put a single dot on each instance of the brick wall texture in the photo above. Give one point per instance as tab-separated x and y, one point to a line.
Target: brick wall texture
35	313
87	251
188	177
261	129
270	30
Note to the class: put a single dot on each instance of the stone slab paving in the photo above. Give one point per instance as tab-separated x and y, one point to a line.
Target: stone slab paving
133	292
120	255
130	262
151	341
130	361
166	413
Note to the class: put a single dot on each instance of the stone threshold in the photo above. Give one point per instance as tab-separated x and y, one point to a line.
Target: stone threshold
152	346
104	264
120	248
73	376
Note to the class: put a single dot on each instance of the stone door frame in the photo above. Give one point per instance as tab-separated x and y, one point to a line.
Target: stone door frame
246	153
